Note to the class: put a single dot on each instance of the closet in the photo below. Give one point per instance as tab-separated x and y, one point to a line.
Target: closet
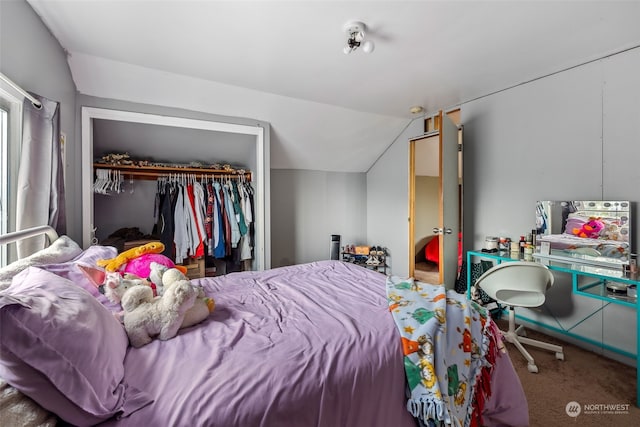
177	149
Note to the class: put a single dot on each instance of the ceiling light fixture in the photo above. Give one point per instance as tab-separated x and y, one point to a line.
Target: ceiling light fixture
416	109
355	38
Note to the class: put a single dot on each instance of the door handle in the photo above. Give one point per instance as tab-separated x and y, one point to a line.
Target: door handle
437	230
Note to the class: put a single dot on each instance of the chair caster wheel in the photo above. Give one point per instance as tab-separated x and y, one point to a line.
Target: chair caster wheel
560	356
532	368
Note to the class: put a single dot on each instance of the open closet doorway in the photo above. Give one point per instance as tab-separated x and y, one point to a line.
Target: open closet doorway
258	161
435	185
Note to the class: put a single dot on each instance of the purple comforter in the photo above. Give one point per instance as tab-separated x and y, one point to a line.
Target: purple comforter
306	345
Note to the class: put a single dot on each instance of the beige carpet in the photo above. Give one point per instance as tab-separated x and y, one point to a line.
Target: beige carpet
583	377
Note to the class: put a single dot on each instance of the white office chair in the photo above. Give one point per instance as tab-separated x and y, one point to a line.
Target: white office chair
520	284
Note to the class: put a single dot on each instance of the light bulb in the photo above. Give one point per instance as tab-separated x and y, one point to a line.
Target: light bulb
368	46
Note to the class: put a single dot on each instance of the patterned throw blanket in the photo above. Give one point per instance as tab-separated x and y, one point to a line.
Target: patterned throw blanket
449	346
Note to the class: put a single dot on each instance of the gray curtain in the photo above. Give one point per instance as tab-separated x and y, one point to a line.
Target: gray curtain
40	197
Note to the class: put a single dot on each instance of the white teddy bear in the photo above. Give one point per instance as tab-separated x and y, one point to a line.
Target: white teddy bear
164	277
146	317
161	276
116	285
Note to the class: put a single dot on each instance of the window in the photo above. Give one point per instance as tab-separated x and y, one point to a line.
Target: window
10	134
4	178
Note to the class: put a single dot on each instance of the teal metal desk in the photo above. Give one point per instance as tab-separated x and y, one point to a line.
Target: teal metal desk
596	278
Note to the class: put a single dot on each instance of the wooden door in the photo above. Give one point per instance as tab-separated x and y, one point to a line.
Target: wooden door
445	142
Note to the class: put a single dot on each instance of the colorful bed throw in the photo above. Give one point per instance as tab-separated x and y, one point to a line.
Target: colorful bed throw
449	348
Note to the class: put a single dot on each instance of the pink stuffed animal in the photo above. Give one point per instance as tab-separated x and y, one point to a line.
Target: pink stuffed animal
590	229
141	266
138	260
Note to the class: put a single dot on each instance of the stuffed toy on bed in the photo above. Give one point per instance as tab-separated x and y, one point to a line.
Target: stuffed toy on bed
146	317
591	229
164	277
138	260
115	285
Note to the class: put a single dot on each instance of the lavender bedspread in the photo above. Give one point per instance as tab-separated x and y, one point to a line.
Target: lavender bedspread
303	345
306	345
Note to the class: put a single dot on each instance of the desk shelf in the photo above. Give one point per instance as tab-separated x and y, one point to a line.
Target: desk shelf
598	289
588	281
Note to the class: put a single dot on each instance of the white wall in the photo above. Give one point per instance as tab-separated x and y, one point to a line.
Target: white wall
388	200
307	207
330	128
570	135
573	135
33	59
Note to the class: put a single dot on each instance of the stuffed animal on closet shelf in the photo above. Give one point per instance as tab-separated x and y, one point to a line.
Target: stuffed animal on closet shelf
146	317
164	278
591	229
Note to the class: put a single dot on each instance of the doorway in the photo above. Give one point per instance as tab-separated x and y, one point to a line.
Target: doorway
261	180
435	185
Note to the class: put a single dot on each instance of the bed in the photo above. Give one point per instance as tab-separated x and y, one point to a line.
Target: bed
592	233
305	345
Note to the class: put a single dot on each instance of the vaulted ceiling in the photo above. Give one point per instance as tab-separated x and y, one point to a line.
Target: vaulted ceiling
283	61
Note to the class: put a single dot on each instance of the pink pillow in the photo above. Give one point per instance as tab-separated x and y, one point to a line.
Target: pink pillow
64	350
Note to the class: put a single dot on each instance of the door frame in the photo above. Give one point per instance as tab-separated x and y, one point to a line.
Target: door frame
261	177
432	126
412	195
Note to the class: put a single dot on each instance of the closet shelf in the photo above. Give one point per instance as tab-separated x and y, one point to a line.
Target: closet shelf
153	172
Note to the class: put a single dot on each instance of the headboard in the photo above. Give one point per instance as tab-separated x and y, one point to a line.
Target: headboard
9	256
15	236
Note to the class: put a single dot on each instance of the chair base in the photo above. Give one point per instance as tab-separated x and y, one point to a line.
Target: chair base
515	336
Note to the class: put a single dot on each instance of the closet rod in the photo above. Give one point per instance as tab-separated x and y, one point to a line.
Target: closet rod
154	175
23	92
151	174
